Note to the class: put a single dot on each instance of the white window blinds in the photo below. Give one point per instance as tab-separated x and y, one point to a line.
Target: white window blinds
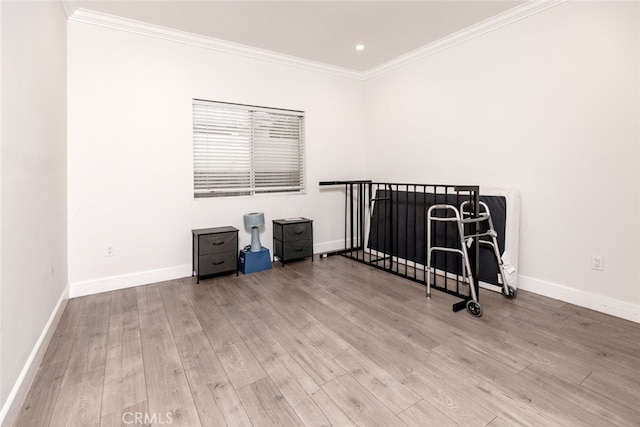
245	150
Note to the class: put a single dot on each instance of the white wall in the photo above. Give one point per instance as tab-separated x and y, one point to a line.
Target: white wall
552	99
33	178
549	105
130	151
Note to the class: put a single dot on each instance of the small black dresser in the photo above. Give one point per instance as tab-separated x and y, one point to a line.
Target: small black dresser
215	251
292	239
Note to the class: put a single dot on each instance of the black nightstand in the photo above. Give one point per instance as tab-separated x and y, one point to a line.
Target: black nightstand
215	251
292	239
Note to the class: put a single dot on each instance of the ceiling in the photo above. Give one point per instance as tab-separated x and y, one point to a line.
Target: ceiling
321	31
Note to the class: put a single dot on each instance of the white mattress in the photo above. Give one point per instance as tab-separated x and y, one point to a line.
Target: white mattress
512	234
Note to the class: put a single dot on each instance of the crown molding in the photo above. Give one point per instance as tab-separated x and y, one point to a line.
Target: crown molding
505	18
123	24
70	6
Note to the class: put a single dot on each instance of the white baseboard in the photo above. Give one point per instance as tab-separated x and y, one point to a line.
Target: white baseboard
11	407
592	301
600	303
596	302
113	283
324	247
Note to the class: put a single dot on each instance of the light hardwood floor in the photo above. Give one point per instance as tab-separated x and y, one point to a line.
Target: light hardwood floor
332	342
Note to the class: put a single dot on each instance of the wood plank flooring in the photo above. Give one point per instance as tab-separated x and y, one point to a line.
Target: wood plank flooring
332	342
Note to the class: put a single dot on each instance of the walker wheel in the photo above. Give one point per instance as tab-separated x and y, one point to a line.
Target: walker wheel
510	293
474	308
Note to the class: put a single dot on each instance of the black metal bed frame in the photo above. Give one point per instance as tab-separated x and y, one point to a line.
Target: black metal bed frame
385	227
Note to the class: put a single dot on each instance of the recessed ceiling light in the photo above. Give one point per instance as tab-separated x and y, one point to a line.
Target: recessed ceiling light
359	47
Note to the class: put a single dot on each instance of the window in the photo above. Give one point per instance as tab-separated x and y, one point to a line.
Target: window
246	150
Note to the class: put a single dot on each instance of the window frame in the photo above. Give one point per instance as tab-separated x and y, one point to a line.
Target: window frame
247	150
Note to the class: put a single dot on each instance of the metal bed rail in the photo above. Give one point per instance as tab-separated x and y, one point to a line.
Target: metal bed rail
386	227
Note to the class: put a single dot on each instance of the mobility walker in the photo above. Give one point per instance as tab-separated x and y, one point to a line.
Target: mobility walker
473	305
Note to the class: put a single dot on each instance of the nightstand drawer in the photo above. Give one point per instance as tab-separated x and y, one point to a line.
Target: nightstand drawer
294	250
294	232
217	243
217	263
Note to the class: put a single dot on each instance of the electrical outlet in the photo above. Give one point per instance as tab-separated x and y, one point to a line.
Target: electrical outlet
597	263
108	251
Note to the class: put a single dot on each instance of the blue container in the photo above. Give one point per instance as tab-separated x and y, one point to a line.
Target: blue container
251	262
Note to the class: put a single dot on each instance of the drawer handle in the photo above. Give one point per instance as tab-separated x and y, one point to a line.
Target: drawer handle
217	243
299	250
298	232
218	263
